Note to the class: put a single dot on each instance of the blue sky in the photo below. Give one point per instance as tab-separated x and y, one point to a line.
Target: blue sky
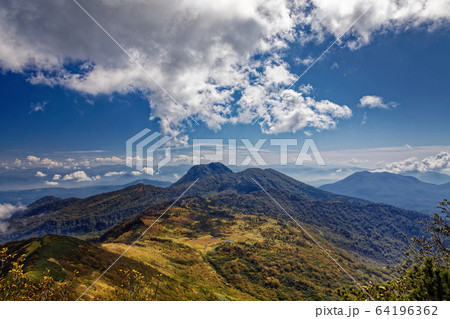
79	97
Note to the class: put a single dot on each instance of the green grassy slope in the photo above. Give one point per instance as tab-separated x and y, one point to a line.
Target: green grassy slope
260	255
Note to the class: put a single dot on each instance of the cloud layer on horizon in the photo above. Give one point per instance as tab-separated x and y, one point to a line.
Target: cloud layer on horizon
437	163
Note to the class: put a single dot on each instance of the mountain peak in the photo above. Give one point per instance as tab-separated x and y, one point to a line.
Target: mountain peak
202	171
44	200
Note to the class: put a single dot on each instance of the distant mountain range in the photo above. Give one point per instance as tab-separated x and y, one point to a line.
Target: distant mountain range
225	239
429	177
402	191
90	216
28	196
96	214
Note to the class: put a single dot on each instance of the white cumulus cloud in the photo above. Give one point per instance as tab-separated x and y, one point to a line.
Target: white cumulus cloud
201	52
37	161
33	159
40	174
50	163
296	112
306	88
373	101
437	163
334	17
80	176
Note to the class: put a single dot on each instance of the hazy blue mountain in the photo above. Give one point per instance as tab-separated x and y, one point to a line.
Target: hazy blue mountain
25	179
429	177
402	191
28	196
